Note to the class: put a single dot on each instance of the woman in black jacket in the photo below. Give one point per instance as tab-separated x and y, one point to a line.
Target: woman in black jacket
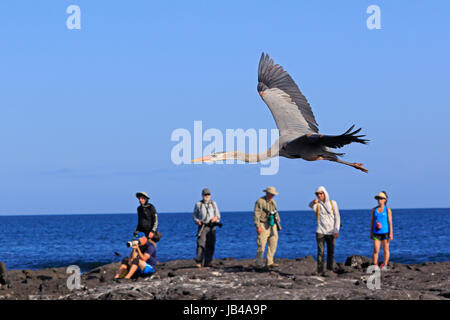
147	216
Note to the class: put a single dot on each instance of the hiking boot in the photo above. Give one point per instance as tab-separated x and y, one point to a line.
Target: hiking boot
197	264
258	267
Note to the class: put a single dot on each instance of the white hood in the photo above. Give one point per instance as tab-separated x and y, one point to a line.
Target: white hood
330	220
327	203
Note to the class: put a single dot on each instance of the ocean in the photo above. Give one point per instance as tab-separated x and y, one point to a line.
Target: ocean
90	240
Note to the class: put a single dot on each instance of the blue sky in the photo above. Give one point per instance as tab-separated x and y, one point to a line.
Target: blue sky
86	115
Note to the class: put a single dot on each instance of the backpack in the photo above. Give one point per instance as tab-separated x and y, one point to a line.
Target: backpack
213	204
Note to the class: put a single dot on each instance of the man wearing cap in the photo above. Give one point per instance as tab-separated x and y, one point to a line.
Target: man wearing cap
147	215
206	214
142	259
265	214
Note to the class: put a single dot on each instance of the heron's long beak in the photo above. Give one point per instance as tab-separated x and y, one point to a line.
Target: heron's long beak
202	159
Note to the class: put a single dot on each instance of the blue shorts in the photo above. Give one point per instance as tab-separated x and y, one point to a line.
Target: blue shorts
147	270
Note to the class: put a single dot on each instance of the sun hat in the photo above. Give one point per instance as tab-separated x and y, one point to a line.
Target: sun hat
142	194
381	195
271	190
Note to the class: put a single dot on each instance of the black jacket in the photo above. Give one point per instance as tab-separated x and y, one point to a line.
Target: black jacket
147	218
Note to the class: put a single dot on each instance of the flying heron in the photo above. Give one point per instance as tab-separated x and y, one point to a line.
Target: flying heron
299	132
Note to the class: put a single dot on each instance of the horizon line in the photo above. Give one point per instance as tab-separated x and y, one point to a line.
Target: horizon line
182	212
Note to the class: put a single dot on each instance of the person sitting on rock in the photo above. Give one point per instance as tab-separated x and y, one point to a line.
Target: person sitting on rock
142	260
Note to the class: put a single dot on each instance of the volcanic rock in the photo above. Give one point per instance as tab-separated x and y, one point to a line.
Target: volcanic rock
238	280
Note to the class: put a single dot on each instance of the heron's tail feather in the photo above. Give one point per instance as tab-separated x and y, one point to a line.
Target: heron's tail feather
341	140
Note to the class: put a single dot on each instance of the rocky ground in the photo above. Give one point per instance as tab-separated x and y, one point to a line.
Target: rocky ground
238	280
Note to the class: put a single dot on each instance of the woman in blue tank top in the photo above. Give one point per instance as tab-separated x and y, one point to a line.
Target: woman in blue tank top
381	231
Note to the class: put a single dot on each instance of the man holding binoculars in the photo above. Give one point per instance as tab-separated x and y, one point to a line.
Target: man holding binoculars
207	216
267	223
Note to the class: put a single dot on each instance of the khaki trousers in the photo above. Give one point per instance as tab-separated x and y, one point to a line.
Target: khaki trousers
269	234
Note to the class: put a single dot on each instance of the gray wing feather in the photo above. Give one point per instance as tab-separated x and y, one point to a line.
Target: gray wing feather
272	76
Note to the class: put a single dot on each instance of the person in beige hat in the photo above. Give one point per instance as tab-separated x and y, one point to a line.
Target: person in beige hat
266	219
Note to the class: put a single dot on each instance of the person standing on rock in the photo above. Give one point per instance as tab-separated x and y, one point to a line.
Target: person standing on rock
266	219
328	225
381	229
147	216
207	216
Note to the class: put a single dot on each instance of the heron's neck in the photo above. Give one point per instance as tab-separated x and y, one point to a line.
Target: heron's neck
251	157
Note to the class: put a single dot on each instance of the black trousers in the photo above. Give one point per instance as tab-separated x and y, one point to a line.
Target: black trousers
205	245
330	241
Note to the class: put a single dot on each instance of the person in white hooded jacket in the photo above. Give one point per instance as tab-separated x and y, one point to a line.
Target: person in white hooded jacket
328	224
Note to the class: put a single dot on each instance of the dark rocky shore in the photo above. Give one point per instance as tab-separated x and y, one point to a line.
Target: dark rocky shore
237	279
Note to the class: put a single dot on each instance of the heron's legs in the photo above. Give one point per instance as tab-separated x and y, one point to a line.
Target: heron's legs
355	165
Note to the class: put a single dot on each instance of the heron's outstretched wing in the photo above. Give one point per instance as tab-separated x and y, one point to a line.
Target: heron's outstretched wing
289	107
329	141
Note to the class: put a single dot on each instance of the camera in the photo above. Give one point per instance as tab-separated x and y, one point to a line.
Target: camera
216	224
132	243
